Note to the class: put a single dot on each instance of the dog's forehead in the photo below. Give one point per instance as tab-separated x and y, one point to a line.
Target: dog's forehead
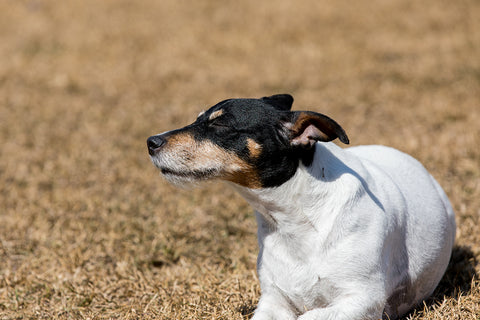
239	109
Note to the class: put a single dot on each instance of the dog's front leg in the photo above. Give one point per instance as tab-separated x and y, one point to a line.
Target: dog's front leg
273	307
348	309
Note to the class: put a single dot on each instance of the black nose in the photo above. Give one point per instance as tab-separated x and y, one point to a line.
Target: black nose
155	142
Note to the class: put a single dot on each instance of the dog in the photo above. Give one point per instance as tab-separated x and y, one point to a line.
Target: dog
357	233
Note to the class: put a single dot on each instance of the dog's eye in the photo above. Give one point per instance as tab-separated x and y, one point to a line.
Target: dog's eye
218	124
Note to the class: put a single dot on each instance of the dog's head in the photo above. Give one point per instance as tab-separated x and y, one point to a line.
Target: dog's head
256	143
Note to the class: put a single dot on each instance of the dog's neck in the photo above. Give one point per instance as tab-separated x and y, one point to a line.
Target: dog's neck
312	197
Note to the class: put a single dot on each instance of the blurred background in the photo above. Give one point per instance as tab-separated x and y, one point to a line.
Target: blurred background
88	229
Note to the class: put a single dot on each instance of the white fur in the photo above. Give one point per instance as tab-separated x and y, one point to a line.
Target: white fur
342	236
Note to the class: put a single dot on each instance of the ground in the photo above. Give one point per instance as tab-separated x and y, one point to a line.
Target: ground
88	228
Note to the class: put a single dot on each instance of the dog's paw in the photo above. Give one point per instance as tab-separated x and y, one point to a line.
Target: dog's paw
270	316
335	314
274	314
321	314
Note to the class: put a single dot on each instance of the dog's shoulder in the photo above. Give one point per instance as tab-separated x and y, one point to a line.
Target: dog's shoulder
404	169
383	155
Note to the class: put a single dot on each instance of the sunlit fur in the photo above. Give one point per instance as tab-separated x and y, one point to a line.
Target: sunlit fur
362	232
186	162
356	233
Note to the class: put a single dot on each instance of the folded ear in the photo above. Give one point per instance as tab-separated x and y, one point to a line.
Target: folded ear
308	127
282	102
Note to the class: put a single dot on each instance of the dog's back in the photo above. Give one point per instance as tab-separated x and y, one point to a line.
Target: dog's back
430	222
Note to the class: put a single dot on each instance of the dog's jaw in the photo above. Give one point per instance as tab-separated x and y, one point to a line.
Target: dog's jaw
179	174
191	162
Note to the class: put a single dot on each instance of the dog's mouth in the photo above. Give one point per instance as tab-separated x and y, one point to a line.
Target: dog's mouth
196	174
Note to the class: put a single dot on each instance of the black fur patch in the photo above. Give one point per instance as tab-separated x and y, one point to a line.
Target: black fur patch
265	121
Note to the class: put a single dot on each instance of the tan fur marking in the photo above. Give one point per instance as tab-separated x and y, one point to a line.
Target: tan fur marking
235	169
244	175
201	155
200	114
322	128
254	149
215	114
181	139
300	123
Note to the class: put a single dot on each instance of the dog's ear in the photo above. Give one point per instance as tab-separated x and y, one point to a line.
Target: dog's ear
308	127
282	102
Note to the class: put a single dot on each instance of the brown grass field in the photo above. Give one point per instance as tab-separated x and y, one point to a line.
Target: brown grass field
88	229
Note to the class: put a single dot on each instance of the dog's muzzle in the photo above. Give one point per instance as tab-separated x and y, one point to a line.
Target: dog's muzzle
154	143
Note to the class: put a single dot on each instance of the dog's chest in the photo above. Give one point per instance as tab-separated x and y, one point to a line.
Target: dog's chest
295	270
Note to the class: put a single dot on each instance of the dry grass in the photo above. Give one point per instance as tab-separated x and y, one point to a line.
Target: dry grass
87	228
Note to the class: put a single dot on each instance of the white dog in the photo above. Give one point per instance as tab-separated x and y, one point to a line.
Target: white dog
358	233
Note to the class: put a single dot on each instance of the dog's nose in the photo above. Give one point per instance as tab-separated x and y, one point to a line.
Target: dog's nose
154	143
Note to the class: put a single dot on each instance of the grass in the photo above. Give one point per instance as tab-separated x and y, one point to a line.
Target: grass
87	228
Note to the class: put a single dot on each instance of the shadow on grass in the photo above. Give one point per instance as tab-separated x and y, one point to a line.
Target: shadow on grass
457	279
247	310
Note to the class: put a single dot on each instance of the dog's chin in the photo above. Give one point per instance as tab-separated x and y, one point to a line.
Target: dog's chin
188	179
181	182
